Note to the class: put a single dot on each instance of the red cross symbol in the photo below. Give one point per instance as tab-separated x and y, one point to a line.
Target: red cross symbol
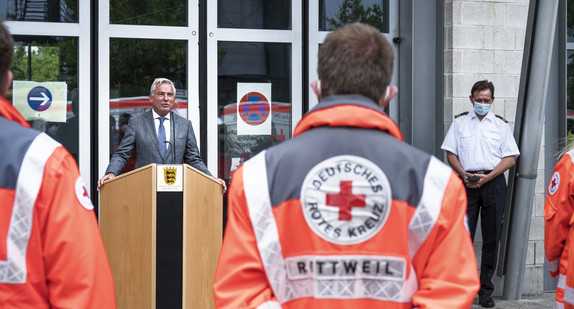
346	200
553	182
86	192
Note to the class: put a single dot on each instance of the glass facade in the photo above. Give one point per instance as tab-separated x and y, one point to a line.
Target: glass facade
570	96
570	69
49	65
149	12
336	13
134	64
258	76
570	21
254	14
103	64
63	11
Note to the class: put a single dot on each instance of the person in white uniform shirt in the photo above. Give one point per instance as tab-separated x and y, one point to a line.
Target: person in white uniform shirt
480	147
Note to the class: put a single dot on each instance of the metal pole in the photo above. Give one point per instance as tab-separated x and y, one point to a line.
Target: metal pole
533	91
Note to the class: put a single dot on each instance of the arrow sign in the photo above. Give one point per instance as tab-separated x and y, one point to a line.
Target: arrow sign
39	98
46	100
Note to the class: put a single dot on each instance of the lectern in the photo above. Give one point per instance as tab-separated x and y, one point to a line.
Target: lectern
162	242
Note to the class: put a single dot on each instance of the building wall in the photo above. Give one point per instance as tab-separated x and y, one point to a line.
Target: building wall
484	39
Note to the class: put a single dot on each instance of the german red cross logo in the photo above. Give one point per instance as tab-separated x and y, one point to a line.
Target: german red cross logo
554	183
82	194
346	200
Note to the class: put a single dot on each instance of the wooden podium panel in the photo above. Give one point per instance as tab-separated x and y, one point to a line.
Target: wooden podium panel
207	199
134	220
127	223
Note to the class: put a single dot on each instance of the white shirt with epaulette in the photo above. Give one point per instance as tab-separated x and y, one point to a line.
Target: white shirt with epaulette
480	145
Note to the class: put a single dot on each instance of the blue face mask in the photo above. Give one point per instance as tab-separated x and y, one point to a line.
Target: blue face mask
481	109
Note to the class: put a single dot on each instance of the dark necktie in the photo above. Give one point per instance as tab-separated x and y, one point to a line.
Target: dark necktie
161	137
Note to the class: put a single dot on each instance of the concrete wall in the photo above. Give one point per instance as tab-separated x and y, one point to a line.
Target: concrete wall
484	39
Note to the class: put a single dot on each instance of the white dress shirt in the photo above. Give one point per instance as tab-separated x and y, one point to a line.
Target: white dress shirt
166	125
480	145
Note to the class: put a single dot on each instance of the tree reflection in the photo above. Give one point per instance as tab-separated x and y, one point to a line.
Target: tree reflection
136	63
351	11
149	12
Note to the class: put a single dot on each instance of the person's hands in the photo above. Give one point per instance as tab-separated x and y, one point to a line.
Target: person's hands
223	185
465	176
482	179
106	177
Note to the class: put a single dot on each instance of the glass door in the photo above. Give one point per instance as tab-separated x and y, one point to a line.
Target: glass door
254	52
326	15
52	60
140	40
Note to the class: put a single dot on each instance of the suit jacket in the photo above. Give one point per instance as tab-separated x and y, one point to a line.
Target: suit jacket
141	135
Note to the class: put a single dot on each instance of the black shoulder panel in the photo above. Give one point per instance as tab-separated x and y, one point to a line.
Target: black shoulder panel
501	118
461	114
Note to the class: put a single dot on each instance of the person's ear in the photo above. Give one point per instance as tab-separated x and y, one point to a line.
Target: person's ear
471	99
389	95
316	85
5	87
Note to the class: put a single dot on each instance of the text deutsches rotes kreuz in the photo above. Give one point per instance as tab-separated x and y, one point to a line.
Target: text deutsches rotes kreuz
368	191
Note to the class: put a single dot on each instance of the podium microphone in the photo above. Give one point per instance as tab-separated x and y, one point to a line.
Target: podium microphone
172	123
172	137
170	145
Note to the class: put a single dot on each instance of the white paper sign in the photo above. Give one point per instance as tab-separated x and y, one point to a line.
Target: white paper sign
254	109
169	177
46	101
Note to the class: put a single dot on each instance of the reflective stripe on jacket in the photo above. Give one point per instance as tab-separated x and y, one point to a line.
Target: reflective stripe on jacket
51	252
558	232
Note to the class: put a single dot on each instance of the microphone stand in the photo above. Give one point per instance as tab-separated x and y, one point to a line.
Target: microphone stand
172	145
173	136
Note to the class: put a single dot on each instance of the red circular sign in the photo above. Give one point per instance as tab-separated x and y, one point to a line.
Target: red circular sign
254	108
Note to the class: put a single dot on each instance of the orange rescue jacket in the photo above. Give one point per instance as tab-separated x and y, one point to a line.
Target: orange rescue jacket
346	215
51	251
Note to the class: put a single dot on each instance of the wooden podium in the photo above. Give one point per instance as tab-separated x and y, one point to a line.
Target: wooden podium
162	246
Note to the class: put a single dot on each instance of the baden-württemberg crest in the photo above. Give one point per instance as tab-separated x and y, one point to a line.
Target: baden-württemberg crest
346	199
169	175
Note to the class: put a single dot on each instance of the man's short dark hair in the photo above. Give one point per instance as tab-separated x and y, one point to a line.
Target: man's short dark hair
355	59
6	52
482	85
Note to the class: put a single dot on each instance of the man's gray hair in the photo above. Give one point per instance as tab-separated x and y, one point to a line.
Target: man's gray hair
161	80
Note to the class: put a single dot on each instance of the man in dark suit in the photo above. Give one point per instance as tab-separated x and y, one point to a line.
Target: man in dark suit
158	136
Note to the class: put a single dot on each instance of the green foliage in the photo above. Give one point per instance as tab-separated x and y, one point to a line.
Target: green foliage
135	63
354	11
53	60
44	66
149	12
221	52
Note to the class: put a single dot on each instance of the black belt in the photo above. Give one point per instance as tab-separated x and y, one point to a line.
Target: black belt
481	172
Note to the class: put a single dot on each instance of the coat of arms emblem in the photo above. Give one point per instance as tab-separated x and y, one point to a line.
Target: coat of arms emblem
169	175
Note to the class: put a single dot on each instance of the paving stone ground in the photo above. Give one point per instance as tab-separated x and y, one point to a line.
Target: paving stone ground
545	300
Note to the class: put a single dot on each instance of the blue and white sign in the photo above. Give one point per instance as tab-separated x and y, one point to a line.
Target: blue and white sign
46	101
39	98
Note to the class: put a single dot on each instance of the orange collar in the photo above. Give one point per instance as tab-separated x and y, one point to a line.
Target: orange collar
360	115
8	111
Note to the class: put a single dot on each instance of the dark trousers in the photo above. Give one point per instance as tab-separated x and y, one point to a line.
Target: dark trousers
487	200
